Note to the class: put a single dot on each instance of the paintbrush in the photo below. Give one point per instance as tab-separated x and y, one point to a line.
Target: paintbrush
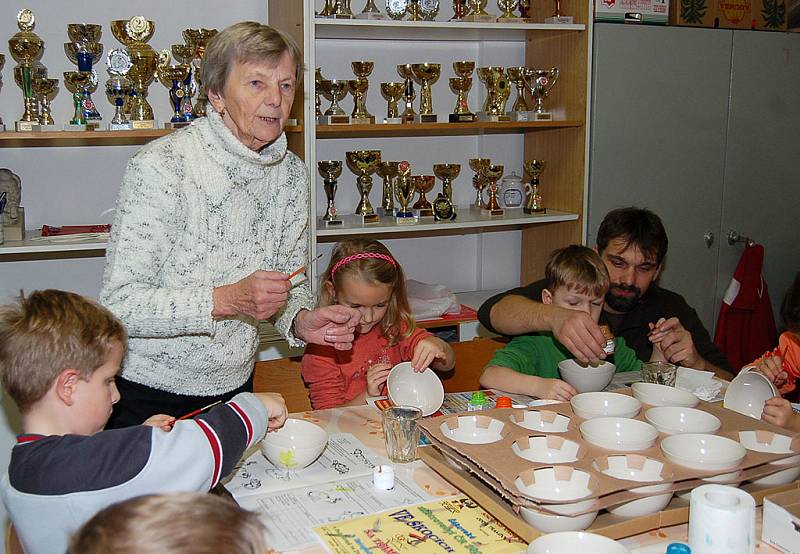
199	410
294	276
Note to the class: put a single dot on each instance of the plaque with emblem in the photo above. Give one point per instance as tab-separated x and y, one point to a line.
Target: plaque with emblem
429	9
443	209
396	9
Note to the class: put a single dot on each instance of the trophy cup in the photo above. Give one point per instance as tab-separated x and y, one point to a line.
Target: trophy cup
317	91
478	12
497	93
388	171
460	10
26	48
423	184
336	89
364	163
370	11
429	9
396	9
447	172
540	82
330	170
84	49
197	40
358	88
77	82
2	63
134	34
557	18
478	181
524	10
520	111
45	90
508	16
461	85
414	10
407	74
328	9
425	74
119	88
404	192
174	78
492	174
341	9
393	92
184	55
533	200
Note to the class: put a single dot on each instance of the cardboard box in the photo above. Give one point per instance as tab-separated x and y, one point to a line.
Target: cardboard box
693	13
655	12
781	525
769	15
763	15
793	15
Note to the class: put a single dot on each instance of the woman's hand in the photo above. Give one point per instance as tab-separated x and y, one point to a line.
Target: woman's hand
426	351
162	421
330	326
276	409
376	378
260	295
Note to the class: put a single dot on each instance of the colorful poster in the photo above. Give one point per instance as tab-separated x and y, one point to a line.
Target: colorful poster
452	525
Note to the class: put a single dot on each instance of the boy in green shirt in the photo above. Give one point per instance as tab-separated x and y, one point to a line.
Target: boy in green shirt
577	279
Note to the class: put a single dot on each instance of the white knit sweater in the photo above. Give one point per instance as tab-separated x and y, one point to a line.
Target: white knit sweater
196	210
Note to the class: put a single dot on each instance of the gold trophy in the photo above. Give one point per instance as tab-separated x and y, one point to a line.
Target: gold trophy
341	9
492	174
405	71
84	50
77	82
540	82
426	74
174	78
460	10
336	89
497	93
520	111
45	90
533	200
364	163
119	88
2	63
134	34
478	12
328	9
557	18
198	39
404	192
370	11
388	171
414	10
508	16
423	184
393	92
461	85
26	48
317	92
330	170
478	180
447	172
358	88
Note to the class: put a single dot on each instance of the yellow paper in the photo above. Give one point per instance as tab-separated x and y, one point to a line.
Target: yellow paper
456	524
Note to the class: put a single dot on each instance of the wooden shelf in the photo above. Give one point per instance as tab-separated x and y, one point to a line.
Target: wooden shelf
439	129
439	31
13	139
29	246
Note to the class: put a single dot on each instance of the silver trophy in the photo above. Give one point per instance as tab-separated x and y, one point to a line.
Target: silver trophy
119	87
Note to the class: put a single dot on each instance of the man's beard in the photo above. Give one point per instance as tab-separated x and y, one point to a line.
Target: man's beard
623	303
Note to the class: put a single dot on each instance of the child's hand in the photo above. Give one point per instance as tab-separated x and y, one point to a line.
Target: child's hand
376	378
162	421
556	389
427	350
777	411
772	368
276	408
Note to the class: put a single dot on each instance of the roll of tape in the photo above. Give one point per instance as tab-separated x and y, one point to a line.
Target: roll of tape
383	477
722	520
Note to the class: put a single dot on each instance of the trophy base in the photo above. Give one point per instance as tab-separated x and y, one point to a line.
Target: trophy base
386	213
15	231
483	116
334	120
461	117
424	212
534	210
177	124
370	219
343	16
80	126
511	20
486	18
522	116
119	126
368	120
393	120
26	126
291	121
333	222
494	211
48	127
370	15
405	218
542	116
426	118
559	20
144	124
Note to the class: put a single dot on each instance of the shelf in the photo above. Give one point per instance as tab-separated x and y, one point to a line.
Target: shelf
439	129
29	246
13	139
430	30
467	220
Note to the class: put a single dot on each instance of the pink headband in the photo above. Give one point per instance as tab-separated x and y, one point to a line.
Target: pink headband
362	256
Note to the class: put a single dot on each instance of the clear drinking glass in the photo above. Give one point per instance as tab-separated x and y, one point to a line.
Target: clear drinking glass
402	433
662	373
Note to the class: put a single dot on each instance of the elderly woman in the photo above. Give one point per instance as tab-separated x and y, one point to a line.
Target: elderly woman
209	222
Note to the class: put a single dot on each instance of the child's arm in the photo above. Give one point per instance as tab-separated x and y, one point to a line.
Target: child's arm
376	381
778	411
508	380
435	353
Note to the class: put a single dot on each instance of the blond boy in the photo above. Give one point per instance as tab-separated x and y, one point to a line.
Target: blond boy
59	356
577	279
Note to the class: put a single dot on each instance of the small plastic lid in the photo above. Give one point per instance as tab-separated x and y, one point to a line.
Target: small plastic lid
478	398
503	402
678	548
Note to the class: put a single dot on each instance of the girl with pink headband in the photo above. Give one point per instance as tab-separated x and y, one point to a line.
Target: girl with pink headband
363	274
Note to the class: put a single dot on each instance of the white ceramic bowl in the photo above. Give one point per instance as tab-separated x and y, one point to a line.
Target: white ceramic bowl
782	477
674	420
618	433
641	469
776	444
604	404
747	393
547	449
586	378
563	520
295	445
703	452
555	484
574	542
541	420
474	429
662	395
408	388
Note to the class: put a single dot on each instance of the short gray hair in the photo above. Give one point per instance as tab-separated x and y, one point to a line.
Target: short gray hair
246	41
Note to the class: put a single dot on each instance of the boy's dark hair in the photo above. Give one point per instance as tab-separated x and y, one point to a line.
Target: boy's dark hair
790	307
638	227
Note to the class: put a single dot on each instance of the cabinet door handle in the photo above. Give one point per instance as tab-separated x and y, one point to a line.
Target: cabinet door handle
708	238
